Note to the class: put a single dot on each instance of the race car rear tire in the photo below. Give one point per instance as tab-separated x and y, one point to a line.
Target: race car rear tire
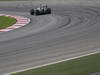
49	10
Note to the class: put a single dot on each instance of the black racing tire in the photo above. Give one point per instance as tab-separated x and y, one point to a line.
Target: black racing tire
37	12
32	12
49	11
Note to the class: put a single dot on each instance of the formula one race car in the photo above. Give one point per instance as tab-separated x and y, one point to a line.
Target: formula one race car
43	9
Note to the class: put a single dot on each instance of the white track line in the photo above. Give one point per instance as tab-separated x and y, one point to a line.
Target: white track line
21	21
53	63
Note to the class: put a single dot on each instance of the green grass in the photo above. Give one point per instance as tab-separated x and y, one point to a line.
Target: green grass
6	22
80	66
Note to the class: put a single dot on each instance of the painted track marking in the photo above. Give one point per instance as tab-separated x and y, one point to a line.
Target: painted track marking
21	21
53	63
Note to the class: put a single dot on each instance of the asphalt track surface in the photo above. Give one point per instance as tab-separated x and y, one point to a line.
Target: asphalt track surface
70	30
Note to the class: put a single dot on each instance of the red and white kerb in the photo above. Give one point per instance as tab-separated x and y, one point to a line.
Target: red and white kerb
21	21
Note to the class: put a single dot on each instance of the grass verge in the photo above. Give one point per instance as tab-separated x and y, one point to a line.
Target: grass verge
80	66
6	22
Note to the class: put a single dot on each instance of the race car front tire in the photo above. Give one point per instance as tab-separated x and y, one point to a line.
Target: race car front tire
32	12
